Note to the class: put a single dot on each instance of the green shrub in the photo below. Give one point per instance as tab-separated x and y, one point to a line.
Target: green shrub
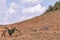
55	7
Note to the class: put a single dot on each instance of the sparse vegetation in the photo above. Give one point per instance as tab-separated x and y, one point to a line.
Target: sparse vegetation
55	7
10	31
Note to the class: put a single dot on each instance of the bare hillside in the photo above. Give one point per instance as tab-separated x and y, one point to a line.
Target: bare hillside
44	27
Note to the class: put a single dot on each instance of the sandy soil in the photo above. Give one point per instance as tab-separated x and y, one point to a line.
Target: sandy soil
44	27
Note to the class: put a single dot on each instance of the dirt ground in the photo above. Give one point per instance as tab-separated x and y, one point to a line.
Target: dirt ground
44	27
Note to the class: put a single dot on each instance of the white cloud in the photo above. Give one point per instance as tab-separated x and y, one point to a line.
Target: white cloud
3	1
35	9
31	1
10	11
2	6
14	5
13	9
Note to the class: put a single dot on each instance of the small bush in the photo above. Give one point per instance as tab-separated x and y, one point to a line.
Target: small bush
55	7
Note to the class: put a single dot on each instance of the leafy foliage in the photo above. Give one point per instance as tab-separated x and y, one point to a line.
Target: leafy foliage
11	31
57	5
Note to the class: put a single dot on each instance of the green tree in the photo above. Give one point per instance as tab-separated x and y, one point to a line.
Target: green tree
57	5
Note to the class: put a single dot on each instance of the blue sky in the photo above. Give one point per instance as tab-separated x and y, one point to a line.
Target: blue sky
12	11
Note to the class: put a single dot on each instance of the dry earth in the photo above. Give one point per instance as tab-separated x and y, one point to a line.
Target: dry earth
44	27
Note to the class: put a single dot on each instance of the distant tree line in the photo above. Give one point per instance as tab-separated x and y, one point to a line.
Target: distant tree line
55	7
